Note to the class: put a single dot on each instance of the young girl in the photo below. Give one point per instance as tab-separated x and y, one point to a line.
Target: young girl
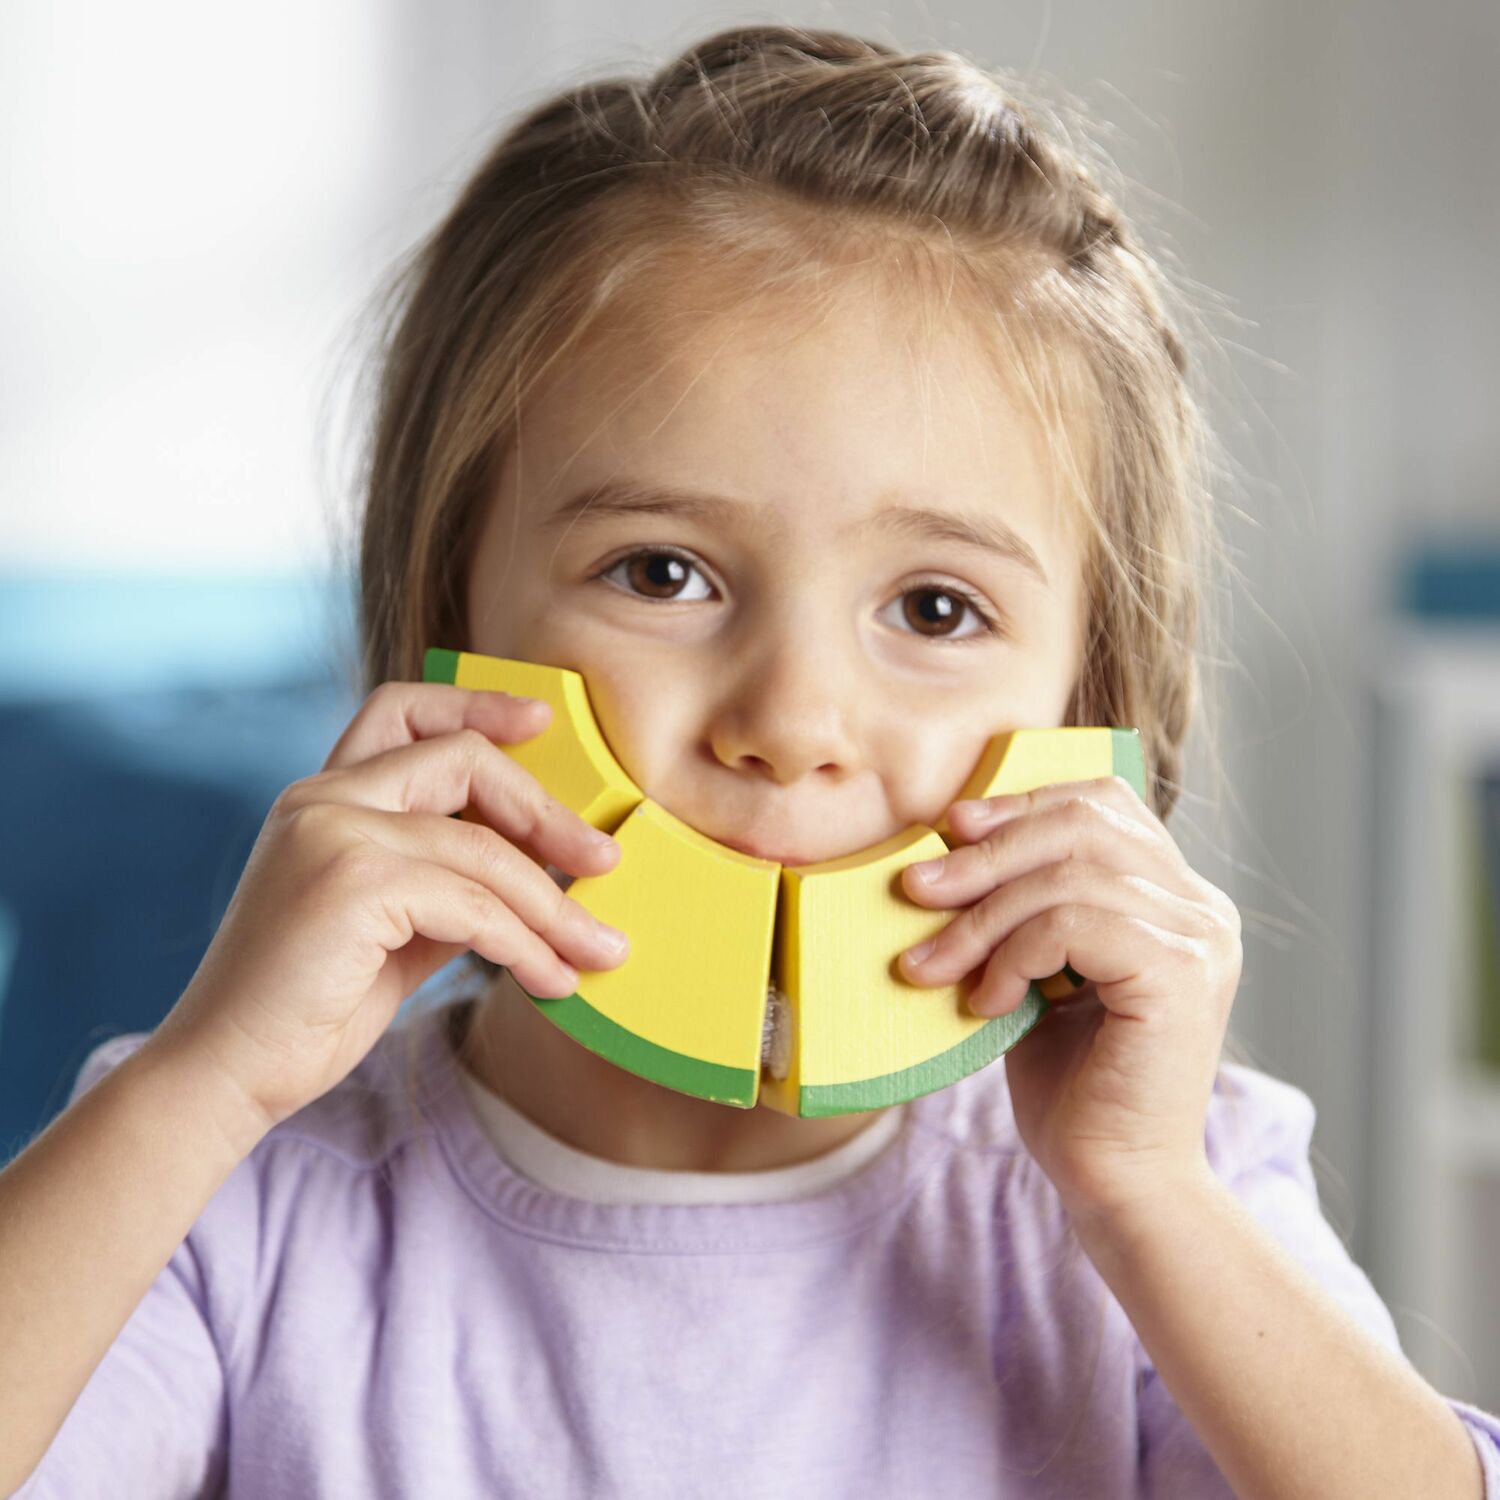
710	387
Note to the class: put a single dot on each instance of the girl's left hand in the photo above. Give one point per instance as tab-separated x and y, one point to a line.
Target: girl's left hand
1111	1088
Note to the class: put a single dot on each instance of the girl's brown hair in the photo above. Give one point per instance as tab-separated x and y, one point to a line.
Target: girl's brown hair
790	159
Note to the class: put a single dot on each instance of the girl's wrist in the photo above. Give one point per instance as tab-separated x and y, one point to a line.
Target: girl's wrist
187	1073
1171	1197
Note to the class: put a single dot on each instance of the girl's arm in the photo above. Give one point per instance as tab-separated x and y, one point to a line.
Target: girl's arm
1293	1400
1111	1093
360	886
90	1214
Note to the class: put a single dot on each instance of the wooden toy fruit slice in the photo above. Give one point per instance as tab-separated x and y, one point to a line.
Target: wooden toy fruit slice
687	1005
861	1036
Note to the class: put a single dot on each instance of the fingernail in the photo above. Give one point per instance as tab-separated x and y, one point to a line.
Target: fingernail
613	940
928	870
603	840
989	809
922	952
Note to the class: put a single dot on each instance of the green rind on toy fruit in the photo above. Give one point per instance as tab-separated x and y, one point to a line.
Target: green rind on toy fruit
690	1075
1129	758
926	1077
440	665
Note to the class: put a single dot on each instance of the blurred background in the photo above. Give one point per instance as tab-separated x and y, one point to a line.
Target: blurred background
200	202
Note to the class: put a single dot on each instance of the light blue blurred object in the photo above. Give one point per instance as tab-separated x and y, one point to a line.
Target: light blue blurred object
81	636
146	724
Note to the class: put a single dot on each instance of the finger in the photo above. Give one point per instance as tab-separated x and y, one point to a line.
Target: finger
987	815
1128	962
399	713
453	771
413	899
480	854
1068	823
973	818
971	937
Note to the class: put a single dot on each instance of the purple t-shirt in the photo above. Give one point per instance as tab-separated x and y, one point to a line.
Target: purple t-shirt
375	1304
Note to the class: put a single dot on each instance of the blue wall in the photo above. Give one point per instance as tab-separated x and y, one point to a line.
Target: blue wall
146	725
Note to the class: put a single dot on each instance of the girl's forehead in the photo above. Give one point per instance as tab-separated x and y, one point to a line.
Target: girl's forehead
794	464
824	395
862	386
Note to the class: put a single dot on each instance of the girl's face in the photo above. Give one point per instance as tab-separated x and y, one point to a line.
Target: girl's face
819	573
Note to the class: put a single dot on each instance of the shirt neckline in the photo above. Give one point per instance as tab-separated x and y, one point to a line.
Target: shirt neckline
540	1156
499	1190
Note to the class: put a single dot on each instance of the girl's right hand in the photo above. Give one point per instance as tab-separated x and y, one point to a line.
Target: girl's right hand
360	886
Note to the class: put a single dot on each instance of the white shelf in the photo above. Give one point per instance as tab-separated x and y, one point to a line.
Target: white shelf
1469	1122
1434	1115
1452	672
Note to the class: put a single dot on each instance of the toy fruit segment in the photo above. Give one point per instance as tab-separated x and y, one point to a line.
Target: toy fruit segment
685	1008
569	757
864	1036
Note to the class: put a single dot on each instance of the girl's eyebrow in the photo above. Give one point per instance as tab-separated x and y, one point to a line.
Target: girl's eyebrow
625	496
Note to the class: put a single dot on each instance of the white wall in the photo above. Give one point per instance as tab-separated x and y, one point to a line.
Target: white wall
193	193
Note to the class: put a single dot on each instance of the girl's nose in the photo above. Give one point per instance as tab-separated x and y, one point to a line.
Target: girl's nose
789	712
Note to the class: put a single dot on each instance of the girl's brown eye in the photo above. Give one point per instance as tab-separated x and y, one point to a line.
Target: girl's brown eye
652	571
924	607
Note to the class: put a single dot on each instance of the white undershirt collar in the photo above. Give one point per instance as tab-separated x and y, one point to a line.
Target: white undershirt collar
551	1163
